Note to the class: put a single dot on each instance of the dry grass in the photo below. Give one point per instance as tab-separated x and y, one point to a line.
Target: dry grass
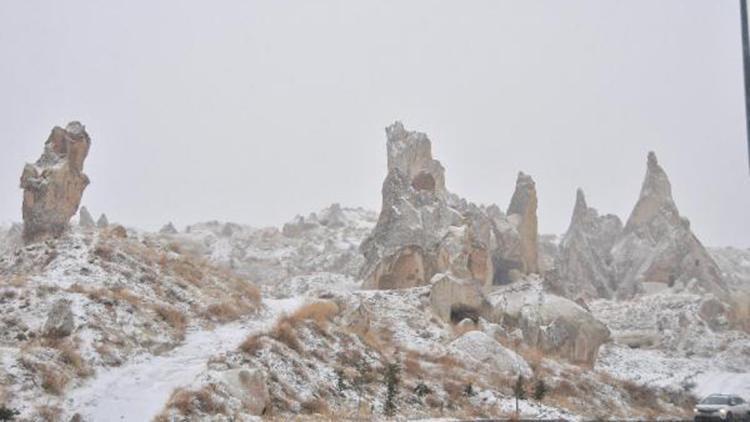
174	317
284	332
222	312
47	413
320	312
104	251
642	396
69	356
315	406
252	344
53	381
189	402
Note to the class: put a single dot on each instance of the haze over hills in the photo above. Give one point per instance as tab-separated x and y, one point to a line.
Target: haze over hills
433	307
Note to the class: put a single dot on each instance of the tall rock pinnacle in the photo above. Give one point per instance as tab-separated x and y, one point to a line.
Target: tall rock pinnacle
53	186
524	204
657	245
584	260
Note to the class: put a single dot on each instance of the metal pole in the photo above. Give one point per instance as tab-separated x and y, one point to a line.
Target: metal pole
746	62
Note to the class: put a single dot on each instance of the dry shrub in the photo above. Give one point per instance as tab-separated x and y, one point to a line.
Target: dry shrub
412	367
53	381
315	406
533	357
104	251
47	413
739	312
222	312
70	357
284	332
187	402
453	389
320	312
121	294
252	344
174	317
187	271
641	396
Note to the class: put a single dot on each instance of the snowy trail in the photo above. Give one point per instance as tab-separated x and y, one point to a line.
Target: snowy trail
723	382
138	391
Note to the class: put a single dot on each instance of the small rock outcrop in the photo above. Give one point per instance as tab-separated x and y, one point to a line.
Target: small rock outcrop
60	321
250	386
584	261
102	222
168	228
657	245
451	298
523	207
53	186
85	219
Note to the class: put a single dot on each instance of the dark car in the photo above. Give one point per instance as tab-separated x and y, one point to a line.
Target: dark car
725	407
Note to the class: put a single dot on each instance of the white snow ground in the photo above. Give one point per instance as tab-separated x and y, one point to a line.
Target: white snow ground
138	390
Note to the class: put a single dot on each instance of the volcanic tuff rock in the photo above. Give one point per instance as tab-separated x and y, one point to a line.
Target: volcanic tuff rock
553	324
424	230
102	222
85	219
584	260
53	186
523	205
168	228
658	246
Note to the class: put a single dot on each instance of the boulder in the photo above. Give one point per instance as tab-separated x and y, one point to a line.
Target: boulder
60	321
53	186
85	219
657	245
553	324
584	261
248	385
481	353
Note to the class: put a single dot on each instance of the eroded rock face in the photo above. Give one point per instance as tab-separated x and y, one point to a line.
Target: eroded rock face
523	205
102	222
555	325
53	186
424	230
584	261
480	352
657	245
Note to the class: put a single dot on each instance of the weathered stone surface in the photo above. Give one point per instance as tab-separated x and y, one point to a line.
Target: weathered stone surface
85	219
584	259
60	321
168	228
657	245
524	204
480	352
102	222
555	325
53	186
424	230
248	385
449	294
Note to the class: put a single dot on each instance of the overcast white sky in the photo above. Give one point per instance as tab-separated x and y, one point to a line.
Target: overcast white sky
256	111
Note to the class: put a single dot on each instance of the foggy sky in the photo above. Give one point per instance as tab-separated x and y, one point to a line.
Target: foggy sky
256	111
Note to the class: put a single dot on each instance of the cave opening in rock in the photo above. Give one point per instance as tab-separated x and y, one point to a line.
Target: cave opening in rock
423	181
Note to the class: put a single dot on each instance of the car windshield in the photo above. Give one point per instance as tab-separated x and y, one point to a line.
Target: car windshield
716	400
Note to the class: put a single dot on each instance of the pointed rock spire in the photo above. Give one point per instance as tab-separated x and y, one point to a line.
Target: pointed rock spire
524	204
657	245
85	219
102	222
168	228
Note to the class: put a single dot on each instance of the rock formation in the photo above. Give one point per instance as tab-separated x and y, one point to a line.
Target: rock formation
553	324
53	186
657	245
85	219
584	261
450	297
424	230
168	228
60	321
481	353
523	208
102	222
